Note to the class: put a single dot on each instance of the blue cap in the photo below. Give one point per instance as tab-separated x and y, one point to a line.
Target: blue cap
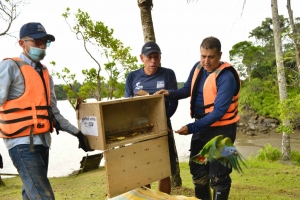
35	30
150	47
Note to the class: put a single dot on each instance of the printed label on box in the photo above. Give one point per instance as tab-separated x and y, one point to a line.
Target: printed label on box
89	126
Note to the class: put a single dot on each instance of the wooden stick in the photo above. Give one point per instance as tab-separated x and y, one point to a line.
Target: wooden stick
7	174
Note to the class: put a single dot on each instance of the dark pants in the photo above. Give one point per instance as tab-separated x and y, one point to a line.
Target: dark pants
216	173
172	150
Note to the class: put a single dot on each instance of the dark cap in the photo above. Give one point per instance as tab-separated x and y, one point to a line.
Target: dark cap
35	30
150	47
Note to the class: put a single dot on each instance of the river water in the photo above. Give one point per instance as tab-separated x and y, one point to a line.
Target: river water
65	156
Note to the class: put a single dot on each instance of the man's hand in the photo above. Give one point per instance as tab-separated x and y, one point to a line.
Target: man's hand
83	142
1	162
164	92
183	131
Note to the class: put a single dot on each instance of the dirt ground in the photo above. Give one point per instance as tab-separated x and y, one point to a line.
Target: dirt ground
251	144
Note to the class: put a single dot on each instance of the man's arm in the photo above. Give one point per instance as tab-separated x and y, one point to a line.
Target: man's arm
64	123
8	73
128	86
1	162
172	103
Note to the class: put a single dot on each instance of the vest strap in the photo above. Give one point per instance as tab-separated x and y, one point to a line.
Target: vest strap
15	133
28	108
22	119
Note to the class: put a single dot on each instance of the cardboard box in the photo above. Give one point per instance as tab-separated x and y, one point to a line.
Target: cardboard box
132	132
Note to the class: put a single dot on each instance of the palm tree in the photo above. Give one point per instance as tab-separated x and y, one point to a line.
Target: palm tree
148	31
146	18
286	147
295	34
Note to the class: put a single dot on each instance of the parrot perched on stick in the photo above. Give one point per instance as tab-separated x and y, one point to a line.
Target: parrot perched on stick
222	150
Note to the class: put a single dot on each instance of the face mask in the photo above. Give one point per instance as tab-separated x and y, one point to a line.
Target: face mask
36	54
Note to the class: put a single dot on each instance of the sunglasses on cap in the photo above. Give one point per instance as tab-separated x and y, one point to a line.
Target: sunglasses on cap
39	42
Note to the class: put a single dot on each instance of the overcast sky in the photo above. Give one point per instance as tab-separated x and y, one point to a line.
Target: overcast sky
179	28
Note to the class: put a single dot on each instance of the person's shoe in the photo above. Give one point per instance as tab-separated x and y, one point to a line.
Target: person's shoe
202	192
221	195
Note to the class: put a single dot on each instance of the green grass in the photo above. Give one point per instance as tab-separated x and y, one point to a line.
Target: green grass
262	179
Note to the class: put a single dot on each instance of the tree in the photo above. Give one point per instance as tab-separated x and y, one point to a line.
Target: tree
148	32
115	57
295	35
70	86
146	19
8	13
248	54
286	148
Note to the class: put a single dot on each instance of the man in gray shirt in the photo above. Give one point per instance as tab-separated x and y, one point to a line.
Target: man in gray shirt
28	112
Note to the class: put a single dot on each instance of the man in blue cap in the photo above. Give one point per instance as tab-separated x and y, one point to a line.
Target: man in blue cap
151	78
28	112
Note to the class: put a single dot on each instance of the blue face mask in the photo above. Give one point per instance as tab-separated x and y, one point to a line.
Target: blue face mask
36	54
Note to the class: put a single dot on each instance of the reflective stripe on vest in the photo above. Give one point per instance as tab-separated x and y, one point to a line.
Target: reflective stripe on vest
30	110
210	92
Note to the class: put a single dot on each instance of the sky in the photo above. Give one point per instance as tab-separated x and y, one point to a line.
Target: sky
179	28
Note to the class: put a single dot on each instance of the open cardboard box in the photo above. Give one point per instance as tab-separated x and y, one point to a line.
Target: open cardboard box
135	154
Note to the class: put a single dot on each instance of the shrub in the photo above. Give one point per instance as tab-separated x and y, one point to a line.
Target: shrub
269	153
295	156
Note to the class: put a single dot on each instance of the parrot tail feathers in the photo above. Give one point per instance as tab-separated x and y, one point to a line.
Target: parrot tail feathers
242	160
199	159
236	161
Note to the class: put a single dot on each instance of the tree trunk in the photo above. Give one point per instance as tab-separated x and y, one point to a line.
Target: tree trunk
148	31
99	97
294	34
286	148
249	73
146	18
1	182
175	178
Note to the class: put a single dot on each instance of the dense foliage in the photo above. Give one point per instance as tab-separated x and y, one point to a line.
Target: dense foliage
255	60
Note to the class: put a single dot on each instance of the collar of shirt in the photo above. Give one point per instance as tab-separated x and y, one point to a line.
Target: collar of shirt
146	75
27	60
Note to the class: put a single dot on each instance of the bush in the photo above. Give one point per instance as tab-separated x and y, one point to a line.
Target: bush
269	153
295	156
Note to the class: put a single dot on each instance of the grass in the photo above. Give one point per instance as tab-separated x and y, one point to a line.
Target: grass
262	179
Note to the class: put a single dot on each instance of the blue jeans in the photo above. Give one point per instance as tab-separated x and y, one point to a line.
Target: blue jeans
32	168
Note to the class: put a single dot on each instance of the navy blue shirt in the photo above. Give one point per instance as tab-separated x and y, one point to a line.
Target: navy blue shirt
164	78
226	88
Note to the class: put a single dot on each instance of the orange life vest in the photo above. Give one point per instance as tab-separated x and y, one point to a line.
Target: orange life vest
29	113
210	92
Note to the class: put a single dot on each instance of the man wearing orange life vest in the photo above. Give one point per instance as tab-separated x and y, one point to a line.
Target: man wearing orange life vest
214	89
28	112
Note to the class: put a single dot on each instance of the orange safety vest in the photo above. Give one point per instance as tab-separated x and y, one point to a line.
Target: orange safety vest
210	92
29	113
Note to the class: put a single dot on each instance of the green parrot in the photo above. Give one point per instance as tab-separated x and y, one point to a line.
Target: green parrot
222	150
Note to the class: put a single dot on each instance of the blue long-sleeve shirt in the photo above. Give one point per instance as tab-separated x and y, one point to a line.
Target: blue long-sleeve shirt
164	78
226	87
